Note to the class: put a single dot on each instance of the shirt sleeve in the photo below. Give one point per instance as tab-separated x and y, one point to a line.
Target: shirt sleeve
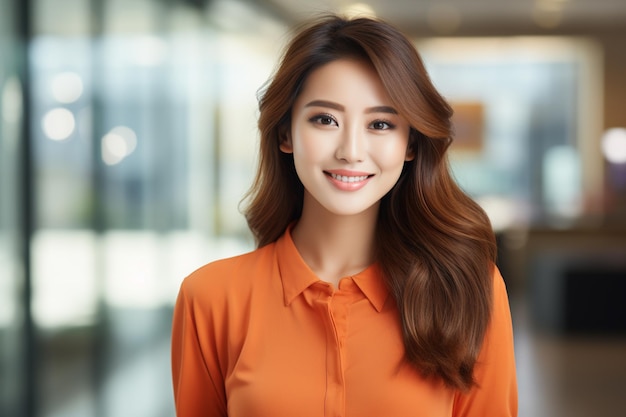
196	375
496	392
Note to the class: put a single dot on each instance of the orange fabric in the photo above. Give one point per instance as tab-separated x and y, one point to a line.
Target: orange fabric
261	335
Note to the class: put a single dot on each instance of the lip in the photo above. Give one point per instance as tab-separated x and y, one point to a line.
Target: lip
349	181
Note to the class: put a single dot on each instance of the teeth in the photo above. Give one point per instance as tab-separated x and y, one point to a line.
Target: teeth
344	178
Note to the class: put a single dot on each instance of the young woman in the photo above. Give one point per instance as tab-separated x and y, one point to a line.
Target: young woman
373	291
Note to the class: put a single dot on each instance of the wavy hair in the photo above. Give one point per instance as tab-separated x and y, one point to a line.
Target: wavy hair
435	245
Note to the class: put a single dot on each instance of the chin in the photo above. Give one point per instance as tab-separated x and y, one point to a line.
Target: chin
350	210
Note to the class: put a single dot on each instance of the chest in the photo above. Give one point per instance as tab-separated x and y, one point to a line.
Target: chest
327	355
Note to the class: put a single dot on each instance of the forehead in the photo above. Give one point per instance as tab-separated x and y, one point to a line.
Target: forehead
346	81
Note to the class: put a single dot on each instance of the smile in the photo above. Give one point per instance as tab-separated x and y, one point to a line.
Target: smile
344	178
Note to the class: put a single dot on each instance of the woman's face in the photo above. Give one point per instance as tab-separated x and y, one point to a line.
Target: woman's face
348	142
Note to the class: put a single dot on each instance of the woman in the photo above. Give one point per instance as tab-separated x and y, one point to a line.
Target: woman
373	291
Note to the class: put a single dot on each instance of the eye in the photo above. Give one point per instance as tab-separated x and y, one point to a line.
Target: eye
324	119
381	125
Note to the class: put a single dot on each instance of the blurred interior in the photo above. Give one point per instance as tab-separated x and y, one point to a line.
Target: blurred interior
128	137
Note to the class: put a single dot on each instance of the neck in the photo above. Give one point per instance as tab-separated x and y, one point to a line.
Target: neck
335	246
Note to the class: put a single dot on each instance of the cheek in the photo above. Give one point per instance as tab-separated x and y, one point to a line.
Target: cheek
391	153
309	147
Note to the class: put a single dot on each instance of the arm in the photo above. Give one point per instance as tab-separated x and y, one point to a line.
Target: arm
196	375
496	393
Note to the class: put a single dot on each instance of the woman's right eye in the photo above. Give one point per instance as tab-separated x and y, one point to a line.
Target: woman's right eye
324	119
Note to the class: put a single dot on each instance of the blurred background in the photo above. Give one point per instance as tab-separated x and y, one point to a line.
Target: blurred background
128	137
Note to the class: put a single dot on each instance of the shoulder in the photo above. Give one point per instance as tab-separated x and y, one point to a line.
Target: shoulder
499	334
236	273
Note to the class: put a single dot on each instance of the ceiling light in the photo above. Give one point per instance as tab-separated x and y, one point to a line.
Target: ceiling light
355	10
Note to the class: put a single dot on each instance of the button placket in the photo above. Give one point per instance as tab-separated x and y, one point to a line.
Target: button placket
338	307
330	305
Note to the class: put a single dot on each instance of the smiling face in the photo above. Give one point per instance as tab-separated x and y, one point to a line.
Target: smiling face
349	144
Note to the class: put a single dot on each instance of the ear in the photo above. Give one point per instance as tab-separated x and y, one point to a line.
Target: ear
410	147
410	153
285	143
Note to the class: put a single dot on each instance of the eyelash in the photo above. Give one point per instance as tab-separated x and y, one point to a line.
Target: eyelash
386	122
319	117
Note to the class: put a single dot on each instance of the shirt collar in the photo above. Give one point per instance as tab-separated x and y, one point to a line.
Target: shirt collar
296	276
371	282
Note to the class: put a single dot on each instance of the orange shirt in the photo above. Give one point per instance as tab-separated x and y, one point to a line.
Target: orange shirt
259	335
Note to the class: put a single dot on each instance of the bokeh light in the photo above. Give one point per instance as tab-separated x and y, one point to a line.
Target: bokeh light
614	145
67	87
58	123
120	142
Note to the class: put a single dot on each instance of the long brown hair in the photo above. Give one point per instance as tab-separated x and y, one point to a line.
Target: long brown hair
434	244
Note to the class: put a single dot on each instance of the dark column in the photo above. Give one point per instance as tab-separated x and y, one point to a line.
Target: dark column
27	204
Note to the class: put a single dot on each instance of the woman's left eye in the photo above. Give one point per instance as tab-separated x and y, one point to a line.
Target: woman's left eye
381	125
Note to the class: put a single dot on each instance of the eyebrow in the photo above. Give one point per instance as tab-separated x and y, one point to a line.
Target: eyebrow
339	107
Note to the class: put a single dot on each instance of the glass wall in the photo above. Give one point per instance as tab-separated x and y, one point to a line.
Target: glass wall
144	135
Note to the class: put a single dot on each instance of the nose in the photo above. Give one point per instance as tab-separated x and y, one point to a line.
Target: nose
352	146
